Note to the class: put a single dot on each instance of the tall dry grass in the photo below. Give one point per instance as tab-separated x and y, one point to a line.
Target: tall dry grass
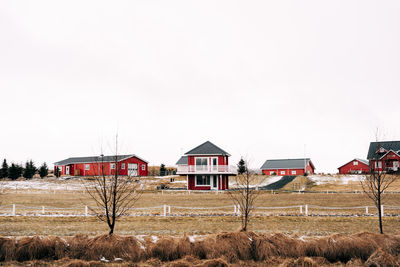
213	250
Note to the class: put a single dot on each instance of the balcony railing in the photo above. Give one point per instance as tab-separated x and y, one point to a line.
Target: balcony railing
206	169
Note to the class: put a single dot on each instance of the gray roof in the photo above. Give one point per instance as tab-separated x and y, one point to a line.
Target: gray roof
182	161
285	164
207	148
95	159
387	145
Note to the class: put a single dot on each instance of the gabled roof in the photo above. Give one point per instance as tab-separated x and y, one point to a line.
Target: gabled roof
366	162
387	145
182	161
95	159
285	164
207	148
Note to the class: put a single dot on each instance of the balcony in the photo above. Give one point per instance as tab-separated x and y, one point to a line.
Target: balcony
206	169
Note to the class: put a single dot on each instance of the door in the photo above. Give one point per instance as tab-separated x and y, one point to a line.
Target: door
132	169
214	164
214	184
395	166
66	170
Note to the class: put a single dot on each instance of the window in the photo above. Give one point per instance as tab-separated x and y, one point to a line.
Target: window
283	172
112	166
201	161
272	173
123	166
355	163
293	172
143	167
87	167
203	180
378	164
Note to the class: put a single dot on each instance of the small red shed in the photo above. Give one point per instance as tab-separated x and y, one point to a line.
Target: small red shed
206	167
127	165
355	166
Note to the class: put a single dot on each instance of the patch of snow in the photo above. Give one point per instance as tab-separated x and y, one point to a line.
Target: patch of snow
104	259
192	238
301	238
166	176
343	179
118	259
155	238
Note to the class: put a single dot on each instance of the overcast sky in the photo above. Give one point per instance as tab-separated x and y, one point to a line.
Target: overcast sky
260	79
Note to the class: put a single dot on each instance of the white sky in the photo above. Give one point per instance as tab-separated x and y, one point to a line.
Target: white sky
257	78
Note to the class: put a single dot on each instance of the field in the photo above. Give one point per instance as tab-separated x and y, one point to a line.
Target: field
335	206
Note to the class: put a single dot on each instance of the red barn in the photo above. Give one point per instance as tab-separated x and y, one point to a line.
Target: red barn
129	165
206	168
384	156
287	167
355	166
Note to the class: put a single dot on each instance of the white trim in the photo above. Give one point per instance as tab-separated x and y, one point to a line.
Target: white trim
388	153
87	167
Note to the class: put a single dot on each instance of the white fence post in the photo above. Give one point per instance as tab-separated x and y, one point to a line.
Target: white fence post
42	209
301	209
306	209
169	210
382	211
13	210
165	210
238	210
366	210
234	209
86	211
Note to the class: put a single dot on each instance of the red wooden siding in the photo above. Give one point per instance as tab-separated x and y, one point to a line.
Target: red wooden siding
222	183
352	168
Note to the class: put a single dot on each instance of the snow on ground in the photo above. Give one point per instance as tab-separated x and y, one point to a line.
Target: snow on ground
42	184
167	176
267	181
343	179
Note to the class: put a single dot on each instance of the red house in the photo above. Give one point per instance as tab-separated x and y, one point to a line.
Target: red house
206	168
129	165
287	167
355	166
384	156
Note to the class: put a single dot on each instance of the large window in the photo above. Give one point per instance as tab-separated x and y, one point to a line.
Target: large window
201	161
87	167
203	180
112	166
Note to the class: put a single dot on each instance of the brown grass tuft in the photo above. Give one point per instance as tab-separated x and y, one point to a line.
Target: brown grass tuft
37	247
214	263
381	258
169	249
234	246
300	262
7	249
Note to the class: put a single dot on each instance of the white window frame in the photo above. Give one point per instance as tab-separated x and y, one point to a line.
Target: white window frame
283	172
112	166
123	166
143	167
271	173
195	161
378	164
195	180
355	163
87	167
294	173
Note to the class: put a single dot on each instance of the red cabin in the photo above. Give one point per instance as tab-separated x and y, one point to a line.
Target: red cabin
384	156
355	166
206	168
128	165
287	167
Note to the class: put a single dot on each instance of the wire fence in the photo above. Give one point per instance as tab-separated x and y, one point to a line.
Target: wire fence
229	210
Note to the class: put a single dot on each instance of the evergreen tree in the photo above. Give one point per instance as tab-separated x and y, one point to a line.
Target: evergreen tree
241	166
162	170
14	171
30	169
4	169
43	170
57	172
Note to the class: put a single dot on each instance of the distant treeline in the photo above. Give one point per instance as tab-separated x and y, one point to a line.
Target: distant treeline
15	170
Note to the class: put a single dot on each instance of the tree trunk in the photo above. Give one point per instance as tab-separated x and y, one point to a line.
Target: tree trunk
380	213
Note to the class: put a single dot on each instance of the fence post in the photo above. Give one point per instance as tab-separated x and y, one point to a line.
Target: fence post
42	209
306	209
382	211
169	210
86	211
165	210
234	209
13	210
366	210
301	209
238	210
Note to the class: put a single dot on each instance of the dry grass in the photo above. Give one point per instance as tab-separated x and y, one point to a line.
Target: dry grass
235	248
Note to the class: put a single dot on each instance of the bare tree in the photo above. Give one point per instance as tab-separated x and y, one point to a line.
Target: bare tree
244	196
377	182
113	194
